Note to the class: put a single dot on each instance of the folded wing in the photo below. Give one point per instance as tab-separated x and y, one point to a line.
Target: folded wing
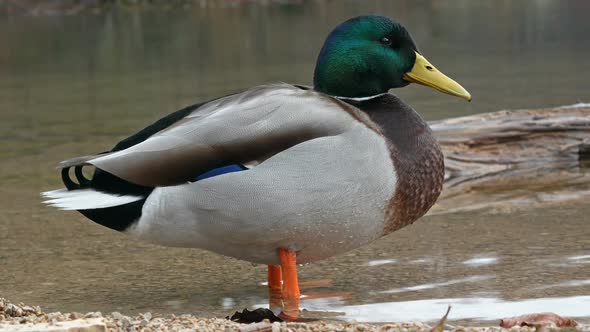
238	129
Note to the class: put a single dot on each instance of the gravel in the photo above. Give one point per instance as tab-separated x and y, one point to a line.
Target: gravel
20	317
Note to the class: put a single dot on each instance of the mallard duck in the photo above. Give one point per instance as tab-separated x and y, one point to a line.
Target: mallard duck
279	174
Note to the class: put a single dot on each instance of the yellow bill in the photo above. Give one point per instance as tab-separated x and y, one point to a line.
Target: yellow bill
426	74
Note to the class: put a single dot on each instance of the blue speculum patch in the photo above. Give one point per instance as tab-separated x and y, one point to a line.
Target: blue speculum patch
220	171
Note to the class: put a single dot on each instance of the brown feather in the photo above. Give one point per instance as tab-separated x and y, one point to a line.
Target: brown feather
416	155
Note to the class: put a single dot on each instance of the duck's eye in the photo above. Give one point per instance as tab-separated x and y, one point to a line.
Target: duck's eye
385	41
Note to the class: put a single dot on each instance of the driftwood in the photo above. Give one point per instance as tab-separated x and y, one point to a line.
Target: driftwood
510	158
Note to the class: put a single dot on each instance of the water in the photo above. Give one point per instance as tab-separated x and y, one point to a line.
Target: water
76	84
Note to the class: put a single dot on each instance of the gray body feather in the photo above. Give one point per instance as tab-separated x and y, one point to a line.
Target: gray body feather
321	186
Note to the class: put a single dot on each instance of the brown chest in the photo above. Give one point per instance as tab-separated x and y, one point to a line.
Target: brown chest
416	155
419	183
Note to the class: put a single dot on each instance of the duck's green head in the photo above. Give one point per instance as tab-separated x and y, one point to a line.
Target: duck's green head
368	55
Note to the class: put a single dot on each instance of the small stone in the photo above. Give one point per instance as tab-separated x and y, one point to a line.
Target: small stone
38	310
126	322
147	316
13	310
117	315
96	314
53	316
27	310
76	315
276	326
390	326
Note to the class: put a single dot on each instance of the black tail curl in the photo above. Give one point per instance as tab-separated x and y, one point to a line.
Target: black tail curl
83	182
122	216
116	217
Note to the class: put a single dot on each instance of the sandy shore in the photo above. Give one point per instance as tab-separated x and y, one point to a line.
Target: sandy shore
21	317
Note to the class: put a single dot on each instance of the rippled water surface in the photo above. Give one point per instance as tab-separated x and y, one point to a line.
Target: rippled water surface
73	85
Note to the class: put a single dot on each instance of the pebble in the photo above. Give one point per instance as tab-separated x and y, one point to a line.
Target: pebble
117	315
147	316
96	314
76	315
125	322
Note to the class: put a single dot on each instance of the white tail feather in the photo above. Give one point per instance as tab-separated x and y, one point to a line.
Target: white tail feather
84	199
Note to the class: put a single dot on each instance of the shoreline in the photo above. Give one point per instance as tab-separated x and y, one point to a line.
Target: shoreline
21	317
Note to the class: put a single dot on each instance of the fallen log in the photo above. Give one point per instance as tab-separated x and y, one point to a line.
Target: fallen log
508	159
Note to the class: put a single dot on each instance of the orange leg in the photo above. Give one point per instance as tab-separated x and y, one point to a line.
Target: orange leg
291	292
275	299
